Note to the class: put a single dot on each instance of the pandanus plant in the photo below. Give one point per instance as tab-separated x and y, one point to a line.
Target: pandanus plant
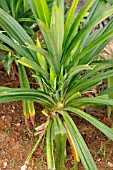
64	71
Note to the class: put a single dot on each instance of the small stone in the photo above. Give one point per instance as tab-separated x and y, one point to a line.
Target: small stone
99	160
4	164
9	118
3	117
18	124
110	164
24	167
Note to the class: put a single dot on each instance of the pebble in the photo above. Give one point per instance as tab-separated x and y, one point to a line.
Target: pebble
99	160
18	124
9	118
110	164
24	167
3	117
4	164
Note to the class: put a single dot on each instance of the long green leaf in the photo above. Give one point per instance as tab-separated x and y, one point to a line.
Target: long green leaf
97	8
83	151
60	141
87	28
107	91
100	100
110	1
103	128
28	106
43	52
31	64
43	11
69	19
73	71
8	94
15	46
32	6
49	39
41	59
86	84
4	5
49	146
92	45
57	28
76	22
24	84
15	31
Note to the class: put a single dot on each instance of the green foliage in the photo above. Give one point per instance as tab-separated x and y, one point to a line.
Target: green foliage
21	11
110	1
63	70
110	85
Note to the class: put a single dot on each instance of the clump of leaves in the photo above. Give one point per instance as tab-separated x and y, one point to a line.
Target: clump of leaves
20	11
64	71
23	14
